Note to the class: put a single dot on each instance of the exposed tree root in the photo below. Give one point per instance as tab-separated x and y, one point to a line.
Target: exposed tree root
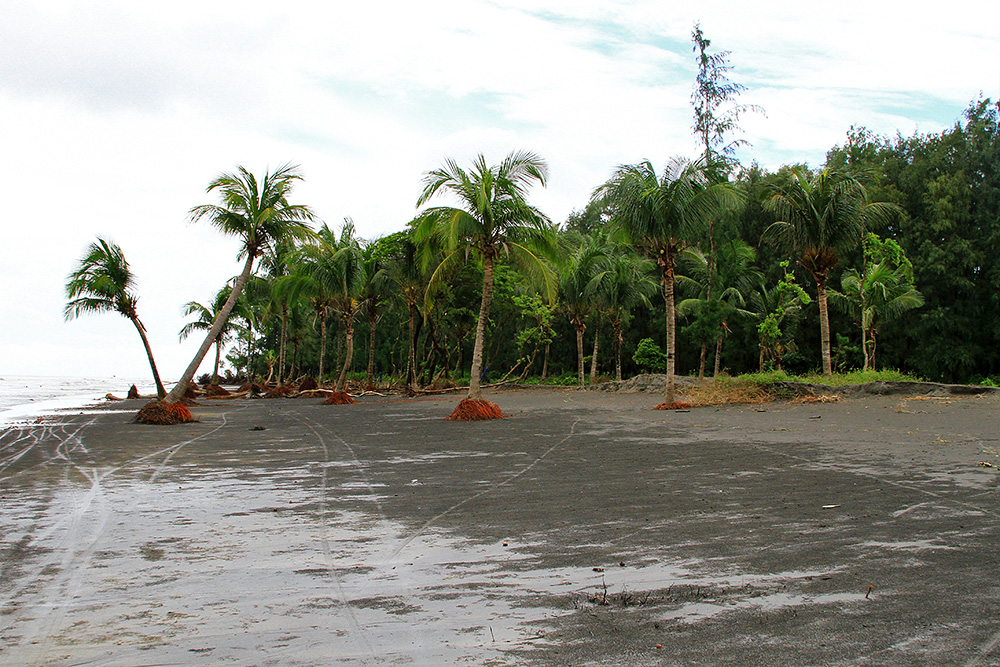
338	398
133	392
676	405
164	414
470	410
308	384
216	390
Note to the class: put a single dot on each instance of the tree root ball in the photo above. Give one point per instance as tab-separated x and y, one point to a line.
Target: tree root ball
133	392
308	384
470	410
676	405
164	414
216	390
339	398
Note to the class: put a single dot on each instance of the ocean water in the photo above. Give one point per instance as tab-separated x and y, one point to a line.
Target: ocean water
25	397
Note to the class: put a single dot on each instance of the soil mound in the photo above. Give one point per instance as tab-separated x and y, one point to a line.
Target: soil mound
470	410
338	398
164	414
284	391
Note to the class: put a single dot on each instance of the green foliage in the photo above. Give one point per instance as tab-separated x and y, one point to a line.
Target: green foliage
649	357
785	298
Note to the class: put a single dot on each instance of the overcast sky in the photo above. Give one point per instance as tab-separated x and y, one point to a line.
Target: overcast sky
115	116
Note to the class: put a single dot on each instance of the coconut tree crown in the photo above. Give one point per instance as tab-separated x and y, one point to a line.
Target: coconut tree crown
102	282
258	213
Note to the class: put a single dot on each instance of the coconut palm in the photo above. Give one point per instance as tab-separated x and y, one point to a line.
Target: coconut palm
205	316
376	293
623	284
103	283
260	214
820	217
881	292
577	297
660	215
734	279
348	271
494	217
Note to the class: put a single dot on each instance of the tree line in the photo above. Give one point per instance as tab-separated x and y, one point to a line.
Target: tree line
881	257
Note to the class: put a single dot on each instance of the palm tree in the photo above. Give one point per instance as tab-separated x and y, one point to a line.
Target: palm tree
205	316
377	292
660	215
577	296
494	218
261	216
348	272
734	279
624	284
820	218
103	283
880	293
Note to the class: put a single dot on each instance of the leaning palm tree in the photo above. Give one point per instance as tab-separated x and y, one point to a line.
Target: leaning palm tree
103	283
819	219
204	317
493	218
260	214
660	215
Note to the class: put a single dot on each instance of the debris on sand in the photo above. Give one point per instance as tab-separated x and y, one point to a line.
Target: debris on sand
470	409
339	398
820	398
676	405
164	414
112	397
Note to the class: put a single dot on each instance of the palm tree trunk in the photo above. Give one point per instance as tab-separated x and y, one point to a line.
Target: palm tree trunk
370	379
218	355
593	358
668	295
545	361
718	355
864	341
160	391
580	328
701	360
475	393
616	327
411	358
220	321
349	350
322	343
282	344
824	325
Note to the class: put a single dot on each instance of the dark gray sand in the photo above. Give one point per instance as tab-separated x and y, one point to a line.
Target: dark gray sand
584	529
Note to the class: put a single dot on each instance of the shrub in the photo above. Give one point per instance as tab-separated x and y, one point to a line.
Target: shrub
649	357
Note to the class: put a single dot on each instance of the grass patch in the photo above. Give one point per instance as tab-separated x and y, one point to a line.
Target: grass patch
760	387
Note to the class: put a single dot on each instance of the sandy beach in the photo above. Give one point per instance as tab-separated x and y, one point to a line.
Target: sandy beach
583	529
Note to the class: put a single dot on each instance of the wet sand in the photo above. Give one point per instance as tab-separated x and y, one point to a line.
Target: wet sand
584	529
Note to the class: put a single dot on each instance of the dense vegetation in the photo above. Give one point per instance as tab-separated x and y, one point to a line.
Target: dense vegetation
763	311
880	258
